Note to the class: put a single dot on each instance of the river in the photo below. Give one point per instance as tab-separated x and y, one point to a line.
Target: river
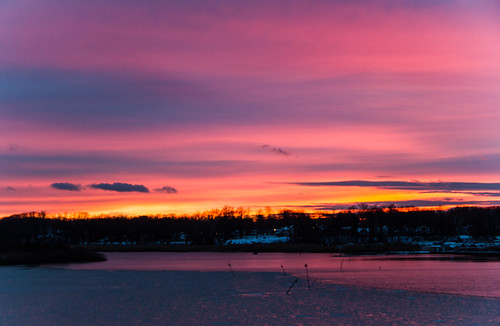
448	274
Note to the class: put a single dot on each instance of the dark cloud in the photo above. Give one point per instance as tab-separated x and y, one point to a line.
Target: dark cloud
405	185
486	194
125	100
484	163
120	187
401	163
14	147
474	193
404	203
88	164
10	189
112	100
276	150
167	189
66	186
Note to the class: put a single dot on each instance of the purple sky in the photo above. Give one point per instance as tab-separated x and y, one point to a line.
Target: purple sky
175	106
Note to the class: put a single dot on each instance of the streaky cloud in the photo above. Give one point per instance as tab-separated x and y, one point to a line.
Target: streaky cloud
10	188
119	187
485	194
89	163
401	204
406	185
167	189
14	148
473	193
277	150
66	186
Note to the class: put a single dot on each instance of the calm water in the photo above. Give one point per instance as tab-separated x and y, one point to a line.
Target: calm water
422	273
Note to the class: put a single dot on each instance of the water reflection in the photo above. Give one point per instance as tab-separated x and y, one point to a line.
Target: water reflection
423	273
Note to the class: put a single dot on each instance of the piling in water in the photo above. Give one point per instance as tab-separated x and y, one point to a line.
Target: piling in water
231	269
291	286
307	276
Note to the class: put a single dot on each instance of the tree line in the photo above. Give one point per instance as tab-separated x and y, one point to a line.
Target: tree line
361	225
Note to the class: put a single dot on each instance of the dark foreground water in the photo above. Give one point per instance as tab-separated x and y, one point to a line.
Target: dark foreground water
200	289
423	273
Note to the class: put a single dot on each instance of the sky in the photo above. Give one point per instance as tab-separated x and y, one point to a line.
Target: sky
156	107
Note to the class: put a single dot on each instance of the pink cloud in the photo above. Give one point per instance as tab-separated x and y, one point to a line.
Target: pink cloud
250	40
172	93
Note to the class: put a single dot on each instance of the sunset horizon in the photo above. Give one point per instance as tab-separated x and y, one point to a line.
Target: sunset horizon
167	107
426	203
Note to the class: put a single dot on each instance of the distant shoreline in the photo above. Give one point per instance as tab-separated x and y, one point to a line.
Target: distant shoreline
96	253
49	256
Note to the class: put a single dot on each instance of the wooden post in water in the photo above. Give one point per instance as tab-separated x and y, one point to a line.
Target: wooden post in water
231	269
283	269
307	276
291	286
